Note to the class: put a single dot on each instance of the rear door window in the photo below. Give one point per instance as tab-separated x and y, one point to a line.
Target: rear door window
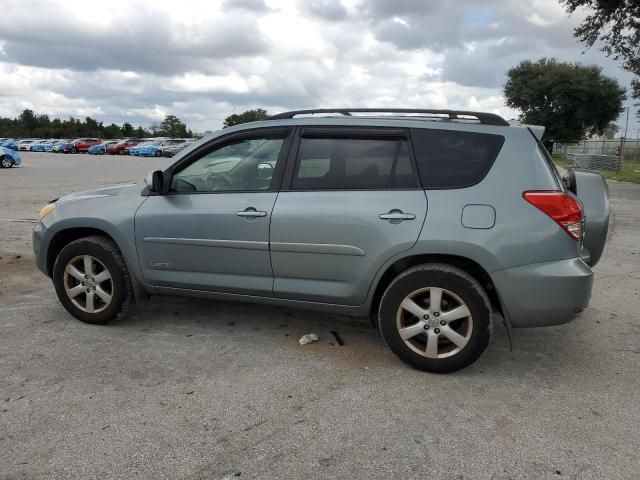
452	158
352	164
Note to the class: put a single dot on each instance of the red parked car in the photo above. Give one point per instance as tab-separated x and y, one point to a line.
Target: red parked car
81	145
122	148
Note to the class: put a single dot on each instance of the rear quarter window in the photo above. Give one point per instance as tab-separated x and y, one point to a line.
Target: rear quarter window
454	159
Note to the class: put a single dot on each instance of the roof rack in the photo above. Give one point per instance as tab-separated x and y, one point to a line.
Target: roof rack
484	118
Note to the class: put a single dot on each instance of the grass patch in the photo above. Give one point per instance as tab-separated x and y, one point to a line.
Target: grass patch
630	171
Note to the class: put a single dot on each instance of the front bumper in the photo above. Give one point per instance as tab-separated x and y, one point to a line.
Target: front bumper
37	238
544	294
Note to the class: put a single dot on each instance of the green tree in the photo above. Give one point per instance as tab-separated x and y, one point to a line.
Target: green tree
614	24
244	117
571	100
127	130
172	127
112	131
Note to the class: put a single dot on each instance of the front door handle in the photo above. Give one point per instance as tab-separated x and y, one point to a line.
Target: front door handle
251	213
397	215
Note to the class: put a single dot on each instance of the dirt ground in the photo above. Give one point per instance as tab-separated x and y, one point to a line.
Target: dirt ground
195	389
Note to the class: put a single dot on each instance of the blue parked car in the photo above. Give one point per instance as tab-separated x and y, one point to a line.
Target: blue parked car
101	148
55	144
39	145
135	150
12	144
9	157
64	147
156	148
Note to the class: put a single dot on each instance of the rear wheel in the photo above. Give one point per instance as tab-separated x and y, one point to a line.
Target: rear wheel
158	153
6	162
92	281
436	318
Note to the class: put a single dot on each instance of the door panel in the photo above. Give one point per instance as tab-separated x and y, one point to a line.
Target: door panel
201	242
326	246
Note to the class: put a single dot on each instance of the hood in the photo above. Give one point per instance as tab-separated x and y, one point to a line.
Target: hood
103	192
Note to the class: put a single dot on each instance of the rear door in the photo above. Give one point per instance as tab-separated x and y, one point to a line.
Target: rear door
350	201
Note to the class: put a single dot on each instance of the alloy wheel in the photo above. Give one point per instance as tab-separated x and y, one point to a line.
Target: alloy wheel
88	284
434	322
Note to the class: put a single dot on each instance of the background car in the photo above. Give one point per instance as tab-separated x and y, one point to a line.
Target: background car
171	150
154	149
133	150
10	143
49	147
81	145
122	147
25	145
101	148
39	145
9	157
65	146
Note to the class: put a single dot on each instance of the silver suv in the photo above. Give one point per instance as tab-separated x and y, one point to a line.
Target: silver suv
435	223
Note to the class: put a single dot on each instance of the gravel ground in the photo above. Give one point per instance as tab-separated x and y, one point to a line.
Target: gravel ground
194	389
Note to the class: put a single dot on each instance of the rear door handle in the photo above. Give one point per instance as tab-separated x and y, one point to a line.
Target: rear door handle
251	213
397	215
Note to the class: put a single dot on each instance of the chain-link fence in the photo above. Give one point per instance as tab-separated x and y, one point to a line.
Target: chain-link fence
602	154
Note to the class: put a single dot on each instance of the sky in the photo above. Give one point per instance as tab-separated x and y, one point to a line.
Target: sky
203	60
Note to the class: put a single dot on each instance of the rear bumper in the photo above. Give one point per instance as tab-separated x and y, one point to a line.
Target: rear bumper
544	294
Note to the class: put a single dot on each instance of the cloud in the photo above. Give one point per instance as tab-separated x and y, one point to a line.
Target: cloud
205	59
331	10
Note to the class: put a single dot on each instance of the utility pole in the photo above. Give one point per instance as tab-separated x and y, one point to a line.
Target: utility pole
621	157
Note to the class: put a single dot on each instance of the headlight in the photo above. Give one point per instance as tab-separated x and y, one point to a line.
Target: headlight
46	210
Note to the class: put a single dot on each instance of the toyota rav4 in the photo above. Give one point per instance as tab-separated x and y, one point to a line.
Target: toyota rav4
435	223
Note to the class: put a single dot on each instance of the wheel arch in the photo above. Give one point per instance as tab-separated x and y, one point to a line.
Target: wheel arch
68	235
466	264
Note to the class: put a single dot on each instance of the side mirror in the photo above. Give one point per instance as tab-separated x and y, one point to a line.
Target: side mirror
155	181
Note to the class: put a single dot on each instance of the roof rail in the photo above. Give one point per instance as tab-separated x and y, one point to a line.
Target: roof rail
484	118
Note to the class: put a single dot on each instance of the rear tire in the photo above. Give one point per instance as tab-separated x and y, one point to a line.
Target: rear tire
92	281
436	318
6	162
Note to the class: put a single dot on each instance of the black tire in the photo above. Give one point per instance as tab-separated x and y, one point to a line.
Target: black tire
73	150
121	151
157	153
104	250
456	281
6	162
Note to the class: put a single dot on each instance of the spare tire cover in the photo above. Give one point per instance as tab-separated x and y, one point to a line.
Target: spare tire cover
593	192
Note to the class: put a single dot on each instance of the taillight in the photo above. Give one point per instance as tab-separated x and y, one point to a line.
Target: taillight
561	207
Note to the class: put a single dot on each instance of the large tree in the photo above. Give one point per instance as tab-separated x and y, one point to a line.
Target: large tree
244	117
571	100
615	25
171	126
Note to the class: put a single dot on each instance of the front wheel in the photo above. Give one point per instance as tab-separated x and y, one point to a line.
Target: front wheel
73	150
92	281
436	318
6	162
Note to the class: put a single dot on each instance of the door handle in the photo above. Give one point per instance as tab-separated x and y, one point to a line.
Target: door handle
251	213
397	215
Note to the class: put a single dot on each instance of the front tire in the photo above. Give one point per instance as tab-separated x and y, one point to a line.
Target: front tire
436	318
92	281
6	162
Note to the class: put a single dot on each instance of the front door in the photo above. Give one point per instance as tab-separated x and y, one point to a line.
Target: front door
352	202
211	231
